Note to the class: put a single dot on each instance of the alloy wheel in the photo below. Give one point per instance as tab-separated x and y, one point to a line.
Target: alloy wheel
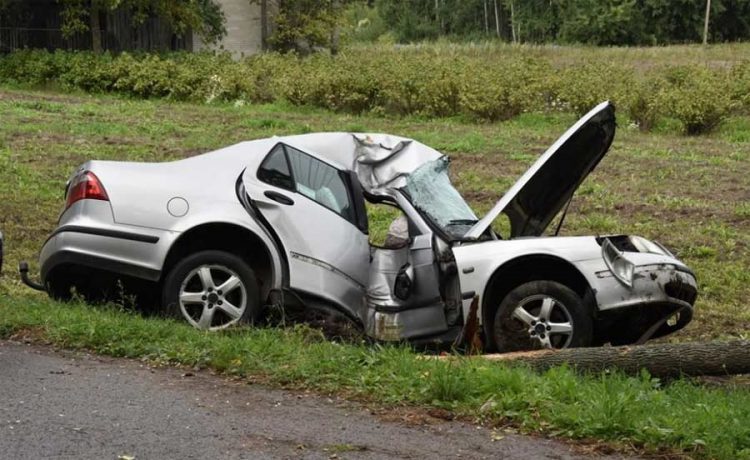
548	322
212	297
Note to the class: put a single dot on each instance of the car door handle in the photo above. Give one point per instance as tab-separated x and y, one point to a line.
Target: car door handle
278	197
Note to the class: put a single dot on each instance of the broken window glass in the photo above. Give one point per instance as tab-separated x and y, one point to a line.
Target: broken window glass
432	193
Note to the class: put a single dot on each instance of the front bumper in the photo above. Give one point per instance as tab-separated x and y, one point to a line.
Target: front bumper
652	284
659	303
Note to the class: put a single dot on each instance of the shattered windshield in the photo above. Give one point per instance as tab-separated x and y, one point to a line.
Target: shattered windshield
432	193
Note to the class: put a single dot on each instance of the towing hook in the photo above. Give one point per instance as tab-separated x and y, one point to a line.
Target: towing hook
23	268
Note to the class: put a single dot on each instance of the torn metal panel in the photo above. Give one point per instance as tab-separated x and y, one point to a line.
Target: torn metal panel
383	161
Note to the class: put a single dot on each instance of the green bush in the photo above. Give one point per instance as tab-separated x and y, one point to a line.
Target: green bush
502	92
32	67
641	102
697	97
740	85
419	86
416	81
580	88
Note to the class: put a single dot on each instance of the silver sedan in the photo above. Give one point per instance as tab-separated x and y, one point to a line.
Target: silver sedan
220	238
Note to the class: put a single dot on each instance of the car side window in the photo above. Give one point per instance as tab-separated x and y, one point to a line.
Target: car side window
321	183
275	169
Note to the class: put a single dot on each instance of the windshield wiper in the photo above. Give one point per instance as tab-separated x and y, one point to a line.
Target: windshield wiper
462	221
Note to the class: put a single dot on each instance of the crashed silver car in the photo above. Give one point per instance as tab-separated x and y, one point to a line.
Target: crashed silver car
220	238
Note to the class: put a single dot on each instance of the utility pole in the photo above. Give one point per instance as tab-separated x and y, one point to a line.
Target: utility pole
705	23
497	20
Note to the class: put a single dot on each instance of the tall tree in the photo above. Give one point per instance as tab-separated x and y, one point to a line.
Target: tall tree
606	22
597	22
300	25
264	23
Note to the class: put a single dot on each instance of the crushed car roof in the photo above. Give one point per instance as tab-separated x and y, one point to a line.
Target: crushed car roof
380	160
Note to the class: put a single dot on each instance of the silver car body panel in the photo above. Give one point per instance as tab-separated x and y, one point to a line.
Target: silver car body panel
477	262
317	252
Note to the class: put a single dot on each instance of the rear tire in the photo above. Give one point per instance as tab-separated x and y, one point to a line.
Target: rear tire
541	314
212	290
59	289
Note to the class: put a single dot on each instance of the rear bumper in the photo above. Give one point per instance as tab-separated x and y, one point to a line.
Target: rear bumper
126	252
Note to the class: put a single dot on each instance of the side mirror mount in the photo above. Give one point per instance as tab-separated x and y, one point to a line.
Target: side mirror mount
404	282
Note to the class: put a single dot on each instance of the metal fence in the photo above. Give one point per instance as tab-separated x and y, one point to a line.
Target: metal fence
119	35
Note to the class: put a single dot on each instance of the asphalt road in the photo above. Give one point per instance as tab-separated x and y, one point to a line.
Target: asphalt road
71	405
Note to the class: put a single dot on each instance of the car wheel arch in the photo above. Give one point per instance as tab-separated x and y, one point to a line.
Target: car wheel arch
232	238
523	269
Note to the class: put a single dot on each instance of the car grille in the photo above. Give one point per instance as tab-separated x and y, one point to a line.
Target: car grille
681	291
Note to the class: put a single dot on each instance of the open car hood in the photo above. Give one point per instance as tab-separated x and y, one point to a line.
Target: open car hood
534	200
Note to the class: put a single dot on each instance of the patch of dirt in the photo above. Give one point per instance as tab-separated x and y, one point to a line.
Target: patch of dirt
6	95
480	196
497	162
181	153
44	137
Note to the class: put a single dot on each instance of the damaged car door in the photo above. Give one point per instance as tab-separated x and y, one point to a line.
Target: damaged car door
405	297
319	221
414	290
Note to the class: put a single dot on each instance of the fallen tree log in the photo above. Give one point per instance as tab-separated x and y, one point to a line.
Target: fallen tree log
660	360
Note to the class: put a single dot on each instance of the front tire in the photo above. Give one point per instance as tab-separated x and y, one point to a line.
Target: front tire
212	290
541	314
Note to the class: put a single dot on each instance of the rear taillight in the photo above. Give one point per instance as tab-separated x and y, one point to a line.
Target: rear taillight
85	186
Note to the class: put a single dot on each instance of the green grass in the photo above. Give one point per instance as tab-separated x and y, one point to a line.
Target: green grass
689	193
639	412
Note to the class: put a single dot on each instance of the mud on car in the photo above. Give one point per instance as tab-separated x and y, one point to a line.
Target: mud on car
218	238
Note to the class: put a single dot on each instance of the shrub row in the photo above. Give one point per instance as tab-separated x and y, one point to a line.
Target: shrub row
403	83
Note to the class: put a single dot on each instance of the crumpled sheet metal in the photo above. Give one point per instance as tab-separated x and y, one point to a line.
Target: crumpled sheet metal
384	269
383	161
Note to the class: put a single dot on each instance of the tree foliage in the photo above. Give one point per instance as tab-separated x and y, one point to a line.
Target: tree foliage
201	16
301	25
598	22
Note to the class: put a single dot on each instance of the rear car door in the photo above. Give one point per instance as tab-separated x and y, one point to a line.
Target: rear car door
313	208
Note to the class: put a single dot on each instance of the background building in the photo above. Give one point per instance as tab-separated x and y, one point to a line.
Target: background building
244	29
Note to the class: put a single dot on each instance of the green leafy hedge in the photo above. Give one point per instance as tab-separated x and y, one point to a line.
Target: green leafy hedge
423	82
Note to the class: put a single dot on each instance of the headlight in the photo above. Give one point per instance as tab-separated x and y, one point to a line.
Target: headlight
644	245
621	267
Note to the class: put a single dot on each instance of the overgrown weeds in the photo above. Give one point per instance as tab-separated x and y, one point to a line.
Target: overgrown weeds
416	82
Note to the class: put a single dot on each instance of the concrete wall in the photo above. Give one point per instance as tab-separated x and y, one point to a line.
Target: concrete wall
243	29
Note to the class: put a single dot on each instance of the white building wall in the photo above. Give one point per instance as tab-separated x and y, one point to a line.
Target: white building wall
243	36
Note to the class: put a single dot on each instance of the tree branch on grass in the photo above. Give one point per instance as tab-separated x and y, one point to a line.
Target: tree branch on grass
660	360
